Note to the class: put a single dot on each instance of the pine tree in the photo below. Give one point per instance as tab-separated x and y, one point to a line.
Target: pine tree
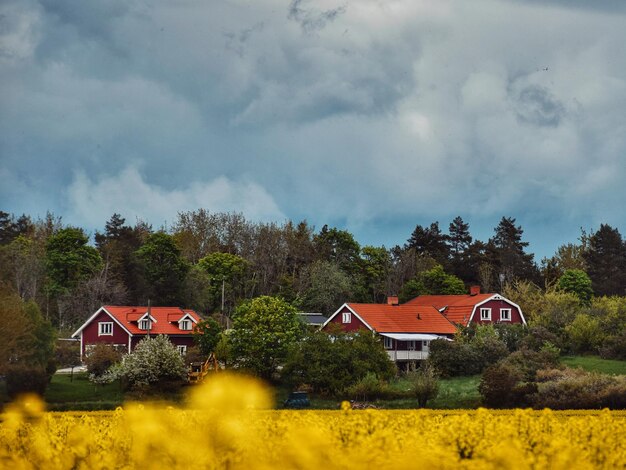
511	258
605	258
431	242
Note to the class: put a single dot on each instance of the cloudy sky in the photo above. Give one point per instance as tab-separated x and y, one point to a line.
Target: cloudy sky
368	115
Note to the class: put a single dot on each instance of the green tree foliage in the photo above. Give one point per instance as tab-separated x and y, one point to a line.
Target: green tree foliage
375	268
328	287
264	329
118	246
459	242
430	241
11	228
509	250
331	362
70	260
164	269
437	282
584	333
154	363
605	258
578	283
227	269
338	247
206	336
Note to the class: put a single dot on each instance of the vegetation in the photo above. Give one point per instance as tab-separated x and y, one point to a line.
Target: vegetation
241	437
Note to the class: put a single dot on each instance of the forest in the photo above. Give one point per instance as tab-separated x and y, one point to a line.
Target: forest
211	262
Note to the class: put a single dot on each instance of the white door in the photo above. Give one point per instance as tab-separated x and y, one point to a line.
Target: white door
425	346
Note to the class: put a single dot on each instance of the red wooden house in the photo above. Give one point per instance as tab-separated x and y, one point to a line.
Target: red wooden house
473	308
124	327
407	330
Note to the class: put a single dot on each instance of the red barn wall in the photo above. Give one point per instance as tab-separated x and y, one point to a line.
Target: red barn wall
354	325
90	333
495	306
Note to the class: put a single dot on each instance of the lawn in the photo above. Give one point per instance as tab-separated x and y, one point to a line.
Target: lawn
63	393
595	363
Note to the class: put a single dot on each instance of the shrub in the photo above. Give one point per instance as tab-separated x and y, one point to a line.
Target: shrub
155	363
577	389
22	378
425	383
497	385
584	333
454	358
330	363
368	388
528	362
614	347
100	359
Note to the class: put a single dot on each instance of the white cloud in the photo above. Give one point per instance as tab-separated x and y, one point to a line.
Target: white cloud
93	202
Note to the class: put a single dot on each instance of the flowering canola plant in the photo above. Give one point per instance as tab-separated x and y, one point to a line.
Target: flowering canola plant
228	422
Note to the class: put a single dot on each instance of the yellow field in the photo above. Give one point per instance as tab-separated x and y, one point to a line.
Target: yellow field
227	425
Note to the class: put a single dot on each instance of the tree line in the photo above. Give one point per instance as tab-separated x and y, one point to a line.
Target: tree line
212	262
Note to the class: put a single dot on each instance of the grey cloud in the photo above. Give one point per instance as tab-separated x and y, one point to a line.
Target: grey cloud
311	19
608	6
536	105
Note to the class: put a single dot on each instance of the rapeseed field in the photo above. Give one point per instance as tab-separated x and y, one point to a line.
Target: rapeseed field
228	423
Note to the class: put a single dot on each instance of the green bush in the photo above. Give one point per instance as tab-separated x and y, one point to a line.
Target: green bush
425	383
466	355
368	388
577	389
614	347
528	362
497	385
100	359
22	378
330	363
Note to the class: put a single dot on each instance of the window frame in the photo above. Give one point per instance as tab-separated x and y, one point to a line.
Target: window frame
346	317
105	328
182	349
509	316
186	322
387	342
147	322
486	310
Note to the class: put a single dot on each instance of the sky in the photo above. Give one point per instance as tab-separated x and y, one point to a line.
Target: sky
372	115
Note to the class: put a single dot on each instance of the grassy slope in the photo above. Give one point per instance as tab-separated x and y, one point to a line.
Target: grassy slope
62	393
595	363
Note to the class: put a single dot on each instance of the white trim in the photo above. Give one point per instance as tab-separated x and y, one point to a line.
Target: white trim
102	325
143	317
413	336
498	297
387	339
488	317
351	310
129	344
187	315
101	309
510	314
81	346
182	349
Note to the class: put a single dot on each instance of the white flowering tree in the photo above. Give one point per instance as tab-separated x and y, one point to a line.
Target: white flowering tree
155	361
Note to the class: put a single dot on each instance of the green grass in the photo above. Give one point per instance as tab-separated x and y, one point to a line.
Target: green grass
454	393
80	393
596	364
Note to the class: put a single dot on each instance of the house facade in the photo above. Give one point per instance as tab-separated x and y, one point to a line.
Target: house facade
406	330
473	308
123	327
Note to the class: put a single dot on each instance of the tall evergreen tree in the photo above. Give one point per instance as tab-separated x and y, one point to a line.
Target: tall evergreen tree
605	258
459	241
430	241
512	260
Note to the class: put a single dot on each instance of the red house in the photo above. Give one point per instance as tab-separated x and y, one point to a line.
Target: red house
473	308
124	327
407	330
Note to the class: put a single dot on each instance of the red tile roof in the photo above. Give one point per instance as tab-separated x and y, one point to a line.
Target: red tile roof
403	318
166	319
458	308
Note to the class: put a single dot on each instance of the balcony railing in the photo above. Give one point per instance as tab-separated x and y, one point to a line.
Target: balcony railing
408	355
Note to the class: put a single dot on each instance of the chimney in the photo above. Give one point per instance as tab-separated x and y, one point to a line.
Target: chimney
474	290
393	300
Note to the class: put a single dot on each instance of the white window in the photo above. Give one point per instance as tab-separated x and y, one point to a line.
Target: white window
144	324
505	314
388	342
346	317
410	345
105	328
485	314
182	350
185	325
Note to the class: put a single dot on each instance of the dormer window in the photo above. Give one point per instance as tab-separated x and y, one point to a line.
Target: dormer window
185	325
144	324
